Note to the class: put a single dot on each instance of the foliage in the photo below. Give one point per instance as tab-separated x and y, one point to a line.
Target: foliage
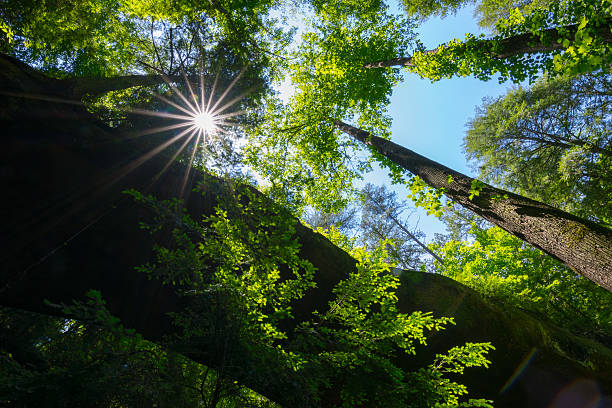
459	222
588	49
244	29
361	331
346	220
296	149
426	197
550	142
242	262
487	11
423	9
505	269
384	218
85	37
377	217
238	254
112	37
95	361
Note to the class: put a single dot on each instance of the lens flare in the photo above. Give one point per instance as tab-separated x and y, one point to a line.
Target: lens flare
205	122
202	117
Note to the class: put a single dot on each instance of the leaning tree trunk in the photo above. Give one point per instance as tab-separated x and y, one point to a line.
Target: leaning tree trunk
584	246
527	43
66	229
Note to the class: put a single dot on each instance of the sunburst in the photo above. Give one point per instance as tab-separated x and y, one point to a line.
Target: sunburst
204	119
205	122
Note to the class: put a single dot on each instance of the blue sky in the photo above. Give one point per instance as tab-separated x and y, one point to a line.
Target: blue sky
430	118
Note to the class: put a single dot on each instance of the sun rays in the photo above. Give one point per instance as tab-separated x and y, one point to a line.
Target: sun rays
201	117
198	119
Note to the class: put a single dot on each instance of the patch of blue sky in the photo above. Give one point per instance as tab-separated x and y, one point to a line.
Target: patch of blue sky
431	118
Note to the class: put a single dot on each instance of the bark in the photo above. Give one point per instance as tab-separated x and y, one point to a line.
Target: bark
520	44
79	87
584	246
67	228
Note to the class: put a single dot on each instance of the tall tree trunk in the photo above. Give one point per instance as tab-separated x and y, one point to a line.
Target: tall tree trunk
526	43
584	246
66	229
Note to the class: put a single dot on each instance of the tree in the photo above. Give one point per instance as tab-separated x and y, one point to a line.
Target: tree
345	220
583	245
86	38
527	45
488	11
305	129
46	257
382	219
551	143
505	269
48	361
43	357
235	297
229	284
294	149
459	222
377	217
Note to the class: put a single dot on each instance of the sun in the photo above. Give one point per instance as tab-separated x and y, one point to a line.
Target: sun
201	119
205	122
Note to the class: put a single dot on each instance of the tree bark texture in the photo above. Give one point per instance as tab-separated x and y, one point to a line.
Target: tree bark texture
67	228
526	43
99	85
584	246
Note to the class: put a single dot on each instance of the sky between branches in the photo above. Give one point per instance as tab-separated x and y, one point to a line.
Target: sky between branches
430	118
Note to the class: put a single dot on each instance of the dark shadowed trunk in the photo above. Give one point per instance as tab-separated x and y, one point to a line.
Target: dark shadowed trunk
520	44
582	245
80	87
67	228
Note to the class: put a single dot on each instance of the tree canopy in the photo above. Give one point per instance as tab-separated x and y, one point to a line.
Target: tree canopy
195	238
550	142
561	37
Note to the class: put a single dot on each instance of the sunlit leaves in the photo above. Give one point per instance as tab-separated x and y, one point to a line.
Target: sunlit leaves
365	327
327	70
503	268
84	37
581	27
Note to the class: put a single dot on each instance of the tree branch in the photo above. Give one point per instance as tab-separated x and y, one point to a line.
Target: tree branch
520	44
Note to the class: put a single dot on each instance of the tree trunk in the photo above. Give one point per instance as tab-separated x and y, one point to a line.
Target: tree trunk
80	87
520	44
584	246
67	228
